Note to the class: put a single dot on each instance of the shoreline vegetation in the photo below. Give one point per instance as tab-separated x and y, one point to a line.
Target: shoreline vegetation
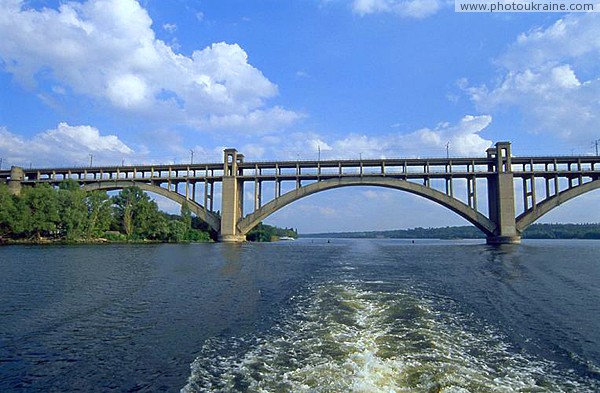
269	233
535	231
69	215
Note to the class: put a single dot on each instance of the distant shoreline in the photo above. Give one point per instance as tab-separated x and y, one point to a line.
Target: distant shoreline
535	231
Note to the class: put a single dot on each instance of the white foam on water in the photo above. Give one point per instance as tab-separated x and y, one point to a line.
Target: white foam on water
345	338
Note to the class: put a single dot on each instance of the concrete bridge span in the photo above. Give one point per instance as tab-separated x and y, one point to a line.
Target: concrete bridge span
471	215
513	191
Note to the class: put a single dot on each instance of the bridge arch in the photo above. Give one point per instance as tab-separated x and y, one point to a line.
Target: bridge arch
527	218
200	211
468	213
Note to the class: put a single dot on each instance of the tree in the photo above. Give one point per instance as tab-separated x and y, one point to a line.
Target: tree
68	212
38	211
73	210
186	216
124	203
139	215
8	211
99	214
177	232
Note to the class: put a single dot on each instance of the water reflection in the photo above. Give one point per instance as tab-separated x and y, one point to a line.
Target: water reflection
231	254
504	262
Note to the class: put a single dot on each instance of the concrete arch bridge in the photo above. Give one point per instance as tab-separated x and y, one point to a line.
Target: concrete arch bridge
487	191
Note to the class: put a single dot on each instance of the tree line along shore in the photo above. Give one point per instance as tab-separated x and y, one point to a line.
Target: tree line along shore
535	231
45	214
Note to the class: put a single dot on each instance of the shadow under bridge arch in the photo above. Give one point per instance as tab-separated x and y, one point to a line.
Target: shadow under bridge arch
200	211
479	220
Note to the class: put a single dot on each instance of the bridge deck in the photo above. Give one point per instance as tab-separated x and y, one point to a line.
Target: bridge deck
405	168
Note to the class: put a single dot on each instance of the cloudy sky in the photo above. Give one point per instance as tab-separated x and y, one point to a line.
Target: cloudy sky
150	80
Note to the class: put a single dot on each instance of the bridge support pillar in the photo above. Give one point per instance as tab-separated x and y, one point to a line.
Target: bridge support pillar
501	196
232	198
17	175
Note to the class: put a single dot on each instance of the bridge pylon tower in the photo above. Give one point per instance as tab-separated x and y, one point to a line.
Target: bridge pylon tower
232	197
501	195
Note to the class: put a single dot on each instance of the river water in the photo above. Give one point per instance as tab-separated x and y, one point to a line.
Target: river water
302	316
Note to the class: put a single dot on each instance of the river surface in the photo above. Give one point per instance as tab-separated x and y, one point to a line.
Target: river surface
302	316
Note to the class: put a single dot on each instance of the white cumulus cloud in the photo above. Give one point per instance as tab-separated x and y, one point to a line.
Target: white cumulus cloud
64	145
463	137
107	50
552	77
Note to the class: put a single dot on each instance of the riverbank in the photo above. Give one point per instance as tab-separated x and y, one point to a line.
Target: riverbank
46	241
535	231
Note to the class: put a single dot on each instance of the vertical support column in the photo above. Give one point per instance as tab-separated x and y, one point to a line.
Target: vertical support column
240	187
529	199
17	175
472	192
187	184
277	188
206	193
526	194
209	188
168	179
257	194
501	196
449	187
231	193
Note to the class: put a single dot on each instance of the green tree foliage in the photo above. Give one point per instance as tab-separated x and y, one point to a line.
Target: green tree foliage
69	213
98	213
38	211
563	231
139	215
8	211
72	209
177	232
267	233
186	216
535	231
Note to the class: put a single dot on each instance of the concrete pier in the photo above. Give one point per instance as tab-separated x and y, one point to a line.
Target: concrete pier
232	198
501	196
17	175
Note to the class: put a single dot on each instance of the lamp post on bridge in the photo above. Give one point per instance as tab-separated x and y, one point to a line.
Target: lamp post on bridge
91	159
192	157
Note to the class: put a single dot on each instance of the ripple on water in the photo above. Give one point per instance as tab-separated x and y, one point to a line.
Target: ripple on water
364	338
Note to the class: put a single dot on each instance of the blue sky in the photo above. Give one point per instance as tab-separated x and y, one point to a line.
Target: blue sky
147	81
